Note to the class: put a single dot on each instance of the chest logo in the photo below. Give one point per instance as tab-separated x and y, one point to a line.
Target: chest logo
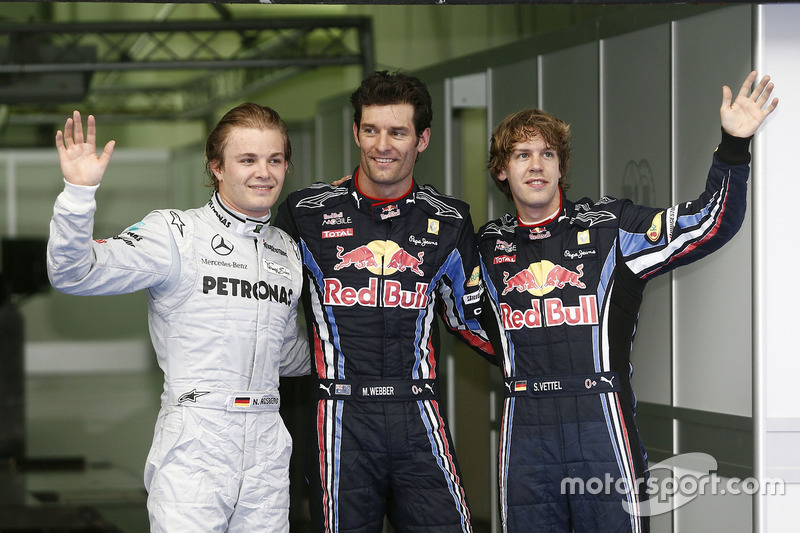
380	257
336	233
220	245
503	246
390	211
505	259
542	277
537	234
279	270
421	242
273	249
335	219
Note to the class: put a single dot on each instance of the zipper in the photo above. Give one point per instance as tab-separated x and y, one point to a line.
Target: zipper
258	310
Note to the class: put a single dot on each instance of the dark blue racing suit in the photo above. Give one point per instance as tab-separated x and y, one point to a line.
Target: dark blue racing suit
377	272
567	294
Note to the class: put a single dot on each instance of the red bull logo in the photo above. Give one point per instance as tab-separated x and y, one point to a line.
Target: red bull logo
392	295
402	260
382	258
361	257
551	312
389	211
524	280
560	276
542	277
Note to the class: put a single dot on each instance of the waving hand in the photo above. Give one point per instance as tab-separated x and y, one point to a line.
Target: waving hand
80	164
743	116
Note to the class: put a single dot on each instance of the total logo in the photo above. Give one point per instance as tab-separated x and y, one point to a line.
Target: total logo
542	277
373	256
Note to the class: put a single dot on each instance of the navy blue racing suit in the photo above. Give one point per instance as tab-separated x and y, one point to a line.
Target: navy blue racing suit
566	294
377	272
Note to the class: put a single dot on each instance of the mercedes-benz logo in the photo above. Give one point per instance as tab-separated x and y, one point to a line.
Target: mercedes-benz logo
220	245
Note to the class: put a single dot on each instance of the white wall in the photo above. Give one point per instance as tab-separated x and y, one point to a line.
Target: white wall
777	407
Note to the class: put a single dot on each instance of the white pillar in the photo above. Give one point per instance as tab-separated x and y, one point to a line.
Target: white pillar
776	189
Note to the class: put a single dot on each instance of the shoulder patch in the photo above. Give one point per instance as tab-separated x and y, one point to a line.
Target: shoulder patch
177	222
474	278
592	218
319	199
180	224
654	231
442	209
503	225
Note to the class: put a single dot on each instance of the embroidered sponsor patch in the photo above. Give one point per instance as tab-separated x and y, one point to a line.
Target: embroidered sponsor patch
220	245
505	259
654	231
580	253
417	241
503	246
277	269
389	211
539	233
272	249
335	219
473	298
475	277
334	233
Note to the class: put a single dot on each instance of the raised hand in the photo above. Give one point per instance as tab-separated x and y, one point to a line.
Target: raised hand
80	164
743	116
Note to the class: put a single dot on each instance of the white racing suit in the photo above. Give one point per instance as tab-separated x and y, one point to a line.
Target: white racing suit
222	298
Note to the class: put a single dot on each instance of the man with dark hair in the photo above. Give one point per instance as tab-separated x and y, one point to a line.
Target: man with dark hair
398	88
222	288
565	281
381	256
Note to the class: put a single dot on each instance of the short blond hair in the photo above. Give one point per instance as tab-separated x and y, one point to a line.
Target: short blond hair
247	115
